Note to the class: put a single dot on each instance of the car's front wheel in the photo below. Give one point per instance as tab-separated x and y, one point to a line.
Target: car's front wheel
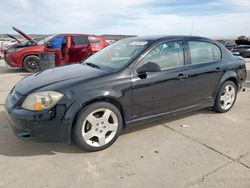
226	97
31	63
97	126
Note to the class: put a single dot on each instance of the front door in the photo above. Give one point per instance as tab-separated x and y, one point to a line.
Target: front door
60	46
165	90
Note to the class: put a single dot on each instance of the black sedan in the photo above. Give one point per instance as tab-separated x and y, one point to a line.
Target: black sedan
242	50
229	44
131	81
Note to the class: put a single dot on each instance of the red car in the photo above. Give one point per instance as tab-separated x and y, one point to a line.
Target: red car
68	49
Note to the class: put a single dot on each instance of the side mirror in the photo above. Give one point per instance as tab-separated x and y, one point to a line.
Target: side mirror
148	67
48	44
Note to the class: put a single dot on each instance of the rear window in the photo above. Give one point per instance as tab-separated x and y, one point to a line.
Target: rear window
94	40
204	52
80	40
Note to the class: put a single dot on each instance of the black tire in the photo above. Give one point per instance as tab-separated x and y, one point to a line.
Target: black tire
80	119
31	63
218	106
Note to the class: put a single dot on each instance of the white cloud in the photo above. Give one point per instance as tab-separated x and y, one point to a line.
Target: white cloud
241	3
119	17
223	24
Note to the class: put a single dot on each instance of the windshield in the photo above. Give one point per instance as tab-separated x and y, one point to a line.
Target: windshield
117	55
45	39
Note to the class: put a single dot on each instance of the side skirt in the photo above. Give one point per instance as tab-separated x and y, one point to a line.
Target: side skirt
164	115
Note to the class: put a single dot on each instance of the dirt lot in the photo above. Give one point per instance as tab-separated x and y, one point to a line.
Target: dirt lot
211	150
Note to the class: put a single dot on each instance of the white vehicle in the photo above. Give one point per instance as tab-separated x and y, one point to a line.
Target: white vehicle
7	42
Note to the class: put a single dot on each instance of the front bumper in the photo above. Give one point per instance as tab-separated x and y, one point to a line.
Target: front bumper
10	60
53	125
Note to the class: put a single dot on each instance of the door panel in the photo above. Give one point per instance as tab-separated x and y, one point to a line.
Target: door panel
59	46
204	79
160	92
80	49
206	70
165	90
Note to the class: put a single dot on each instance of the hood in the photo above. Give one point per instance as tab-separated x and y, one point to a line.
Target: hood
56	75
11	36
24	35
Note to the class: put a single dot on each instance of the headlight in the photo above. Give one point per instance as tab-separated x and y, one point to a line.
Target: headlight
41	100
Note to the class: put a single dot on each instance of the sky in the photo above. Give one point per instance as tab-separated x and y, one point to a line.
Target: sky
139	17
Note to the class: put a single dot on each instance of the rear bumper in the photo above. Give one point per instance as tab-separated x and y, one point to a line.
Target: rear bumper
48	126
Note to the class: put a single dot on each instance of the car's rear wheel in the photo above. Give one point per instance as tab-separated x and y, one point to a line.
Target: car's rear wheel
226	97
97	126
31	63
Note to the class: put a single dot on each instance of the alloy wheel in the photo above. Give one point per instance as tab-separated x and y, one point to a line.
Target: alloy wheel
99	127
33	64
227	97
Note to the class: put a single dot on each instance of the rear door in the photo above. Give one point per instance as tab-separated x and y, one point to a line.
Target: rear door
207	68
95	44
80	48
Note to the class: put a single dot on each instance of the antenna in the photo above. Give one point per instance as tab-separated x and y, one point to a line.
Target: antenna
192	28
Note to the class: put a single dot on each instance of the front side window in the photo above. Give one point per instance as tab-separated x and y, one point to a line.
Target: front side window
57	42
203	52
167	55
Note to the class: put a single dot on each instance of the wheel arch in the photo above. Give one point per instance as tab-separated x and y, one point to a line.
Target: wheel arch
108	99
229	76
234	80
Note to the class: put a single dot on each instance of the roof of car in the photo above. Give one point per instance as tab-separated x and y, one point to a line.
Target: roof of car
160	37
74	34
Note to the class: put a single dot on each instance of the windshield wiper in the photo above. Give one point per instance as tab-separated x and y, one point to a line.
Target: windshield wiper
93	65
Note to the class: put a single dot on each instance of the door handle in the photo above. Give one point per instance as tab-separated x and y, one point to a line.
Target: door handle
182	76
142	75
218	69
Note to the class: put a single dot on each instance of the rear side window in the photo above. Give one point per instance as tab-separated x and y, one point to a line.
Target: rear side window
203	52
80	40
94	40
